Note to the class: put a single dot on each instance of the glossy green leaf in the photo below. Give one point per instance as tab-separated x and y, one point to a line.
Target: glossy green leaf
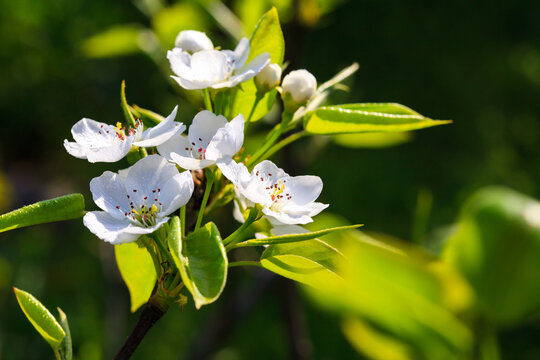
41	318
312	262
201	259
66	347
409	299
369	117
125	107
137	269
267	37
497	248
117	41
378	140
58	209
289	238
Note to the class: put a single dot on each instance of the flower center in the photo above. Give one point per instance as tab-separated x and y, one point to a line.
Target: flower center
198	149
145	213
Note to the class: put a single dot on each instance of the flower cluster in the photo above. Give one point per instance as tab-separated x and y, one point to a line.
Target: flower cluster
139	199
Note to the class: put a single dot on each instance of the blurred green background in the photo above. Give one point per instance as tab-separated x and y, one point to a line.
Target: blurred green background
476	62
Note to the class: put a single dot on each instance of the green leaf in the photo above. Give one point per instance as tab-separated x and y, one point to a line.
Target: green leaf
312	262
408	298
66	349
201	259
372	140
41	318
289	238
267	37
58	209
180	16
125	107
497	248
369	117
137	269
117	41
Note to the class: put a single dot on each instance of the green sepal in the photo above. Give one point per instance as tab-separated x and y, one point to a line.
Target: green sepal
65	207
130	120
148	117
42	320
367	117
201	260
66	347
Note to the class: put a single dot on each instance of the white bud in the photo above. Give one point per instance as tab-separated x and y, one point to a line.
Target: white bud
269	77
300	84
193	41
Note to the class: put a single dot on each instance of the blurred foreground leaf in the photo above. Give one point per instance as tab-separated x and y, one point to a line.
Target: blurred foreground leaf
372	140
267	37
497	248
368	117
201	259
406	303
41	318
66	347
61	208
137	269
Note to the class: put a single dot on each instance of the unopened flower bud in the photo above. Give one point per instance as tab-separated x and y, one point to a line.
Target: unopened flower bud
300	84
193	41
268	78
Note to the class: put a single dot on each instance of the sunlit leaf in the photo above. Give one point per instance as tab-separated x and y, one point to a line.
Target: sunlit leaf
497	248
369	117
66	348
312	262
41	318
137	269
180	16
116	41
267	37
58	209
378	140
201	259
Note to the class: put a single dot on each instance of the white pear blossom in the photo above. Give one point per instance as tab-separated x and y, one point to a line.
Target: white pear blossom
137	200
210	138
269	77
285	199
215	68
300	84
100	142
193	41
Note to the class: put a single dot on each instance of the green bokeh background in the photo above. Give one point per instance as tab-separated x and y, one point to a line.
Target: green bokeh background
476	62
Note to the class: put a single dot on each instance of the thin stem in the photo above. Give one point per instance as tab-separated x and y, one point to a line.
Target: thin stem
207	190
207	100
143	152
182	221
57	354
154	257
245	263
285	142
237	235
163	250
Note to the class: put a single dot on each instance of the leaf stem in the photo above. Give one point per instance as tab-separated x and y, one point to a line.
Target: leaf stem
258	98
207	100
285	142
236	236
207	191
163	250
182	221
245	263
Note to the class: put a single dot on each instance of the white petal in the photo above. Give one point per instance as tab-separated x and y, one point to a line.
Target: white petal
111	153
209	65
308	209
75	149
237	173
180	63
162	132
108	192
304	189
241	52
88	132
228	140
286	218
281	229
246	72
192	85
269	172
149	173
193	41
178	144
116	231
203	128
190	163
176	192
